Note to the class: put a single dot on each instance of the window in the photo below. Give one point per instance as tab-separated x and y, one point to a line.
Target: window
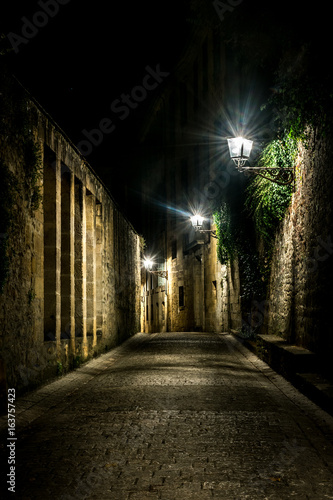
214	288
186	242
181	296
174	249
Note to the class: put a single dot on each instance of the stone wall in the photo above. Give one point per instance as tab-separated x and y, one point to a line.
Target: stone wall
301	297
231	300
199	295
73	283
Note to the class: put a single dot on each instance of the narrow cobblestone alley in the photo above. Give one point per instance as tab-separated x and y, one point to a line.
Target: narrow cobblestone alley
172	416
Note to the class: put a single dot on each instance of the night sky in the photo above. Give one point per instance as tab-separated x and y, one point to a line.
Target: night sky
90	52
85	57
87	54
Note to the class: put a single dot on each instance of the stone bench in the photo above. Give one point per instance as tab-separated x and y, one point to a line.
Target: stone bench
285	358
301	366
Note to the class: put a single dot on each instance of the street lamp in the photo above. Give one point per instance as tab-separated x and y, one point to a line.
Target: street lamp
240	150
149	264
197	223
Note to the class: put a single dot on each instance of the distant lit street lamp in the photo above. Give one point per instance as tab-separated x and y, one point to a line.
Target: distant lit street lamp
197	223
149	264
240	150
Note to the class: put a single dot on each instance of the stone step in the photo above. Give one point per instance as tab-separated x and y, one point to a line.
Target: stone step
318	387
300	366
285	358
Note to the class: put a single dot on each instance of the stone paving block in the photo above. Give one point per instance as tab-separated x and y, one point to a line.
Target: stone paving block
149	423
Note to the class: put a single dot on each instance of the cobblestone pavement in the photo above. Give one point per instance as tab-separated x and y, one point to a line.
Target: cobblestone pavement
172	416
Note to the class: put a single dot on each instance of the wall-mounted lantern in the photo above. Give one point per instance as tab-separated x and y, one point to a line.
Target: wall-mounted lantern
197	223
240	150
149	265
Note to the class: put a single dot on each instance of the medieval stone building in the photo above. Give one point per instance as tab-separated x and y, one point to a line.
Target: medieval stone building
70	261
182	164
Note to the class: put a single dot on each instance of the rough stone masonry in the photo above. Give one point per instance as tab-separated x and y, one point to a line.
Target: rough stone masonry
73	280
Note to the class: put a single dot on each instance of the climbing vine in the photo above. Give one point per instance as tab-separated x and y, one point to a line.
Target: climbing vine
226	246
7	191
33	172
302	102
279	48
234	239
246	225
267	201
16	133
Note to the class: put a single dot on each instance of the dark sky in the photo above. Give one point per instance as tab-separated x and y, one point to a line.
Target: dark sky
85	56
89	53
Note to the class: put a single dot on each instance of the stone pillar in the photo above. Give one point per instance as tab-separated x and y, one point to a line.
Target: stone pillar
164	312
52	245
99	268
72	262
37	267
90	266
84	274
78	257
66	276
203	290
224	297
58	252
198	296
108	274
234	296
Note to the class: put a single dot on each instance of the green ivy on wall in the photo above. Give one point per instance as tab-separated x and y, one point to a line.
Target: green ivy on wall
226	246
235	239
251	215
267	201
15	133
33	172
7	192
